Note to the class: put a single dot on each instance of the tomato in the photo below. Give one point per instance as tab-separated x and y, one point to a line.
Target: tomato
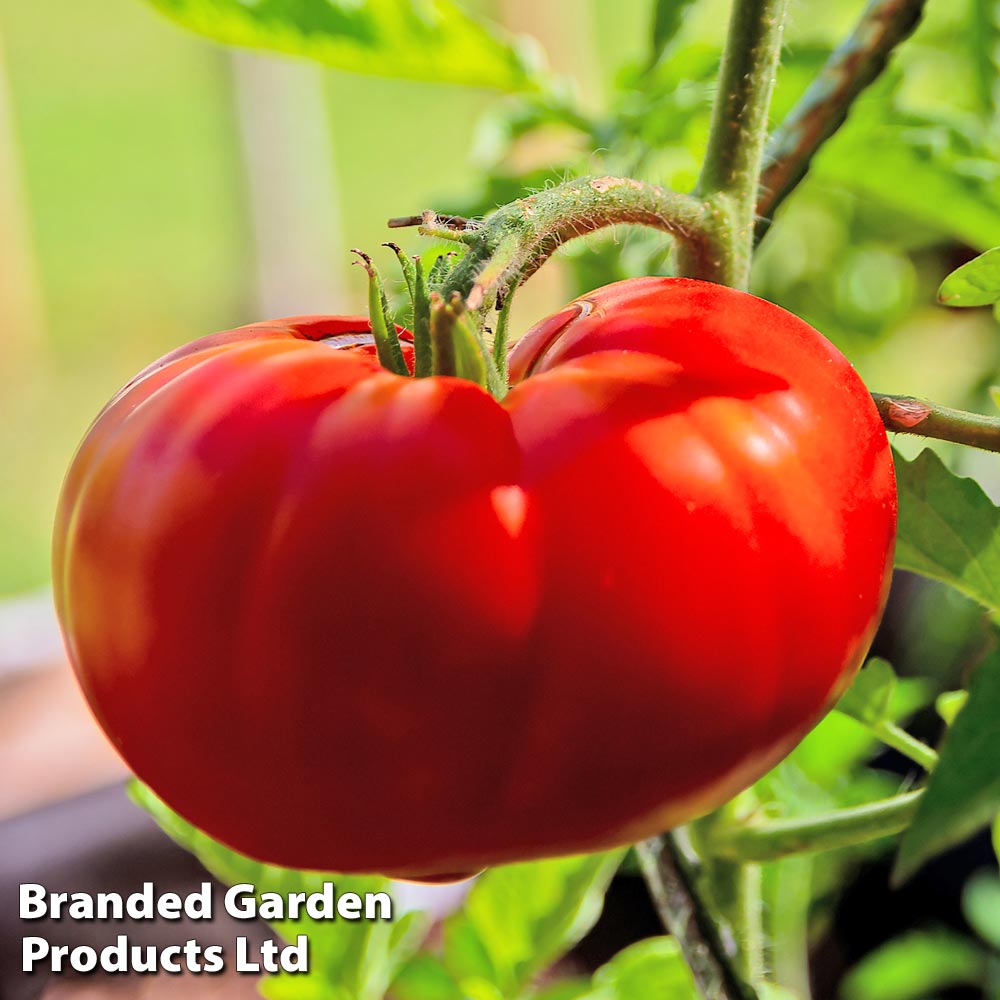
346	620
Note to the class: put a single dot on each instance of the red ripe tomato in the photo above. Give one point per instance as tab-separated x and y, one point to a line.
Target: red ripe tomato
346	620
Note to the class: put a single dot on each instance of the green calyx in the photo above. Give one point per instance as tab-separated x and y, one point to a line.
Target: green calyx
448	337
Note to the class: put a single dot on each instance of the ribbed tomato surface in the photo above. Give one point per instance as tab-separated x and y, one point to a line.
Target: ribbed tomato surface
346	620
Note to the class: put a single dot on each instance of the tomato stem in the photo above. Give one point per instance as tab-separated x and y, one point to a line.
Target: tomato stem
758	842
735	887
509	245
750	922
909	746
908	415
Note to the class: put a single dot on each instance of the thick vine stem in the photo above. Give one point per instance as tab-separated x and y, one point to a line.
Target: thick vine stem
731	170
853	67
907	415
672	886
509	245
822	832
735	887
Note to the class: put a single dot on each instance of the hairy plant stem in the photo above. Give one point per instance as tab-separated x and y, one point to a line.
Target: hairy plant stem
730	173
672	884
823	832
853	67
907	415
509	245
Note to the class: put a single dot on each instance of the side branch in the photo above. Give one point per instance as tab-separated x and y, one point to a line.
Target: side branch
906	415
509	245
823	832
853	67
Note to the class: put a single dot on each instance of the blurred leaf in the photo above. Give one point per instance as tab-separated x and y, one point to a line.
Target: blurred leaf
650	968
565	989
668	16
299	987
465	955
869	698
984	43
948	529
351	960
981	906
949	704
425	977
519	919
976	283
931	170
510	120
914	966
963	791
414	39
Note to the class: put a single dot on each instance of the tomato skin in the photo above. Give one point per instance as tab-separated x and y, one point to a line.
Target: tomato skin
349	621
761	479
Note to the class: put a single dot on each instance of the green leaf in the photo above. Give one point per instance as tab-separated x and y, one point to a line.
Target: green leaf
981	905
651	968
914	967
963	793
668	16
518	919
414	39
349	960
869	698
425	977
465	955
976	283
949	529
